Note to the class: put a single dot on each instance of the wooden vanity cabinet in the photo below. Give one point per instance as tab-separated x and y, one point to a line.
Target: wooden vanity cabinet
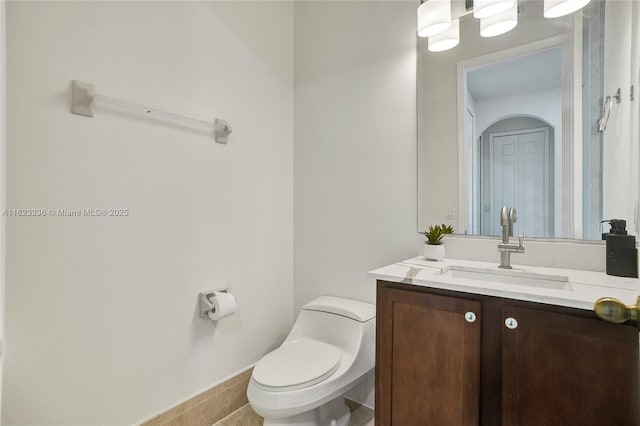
564	369
447	358
426	347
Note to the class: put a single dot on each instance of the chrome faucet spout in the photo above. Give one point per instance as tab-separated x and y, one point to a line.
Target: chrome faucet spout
513	216
507	218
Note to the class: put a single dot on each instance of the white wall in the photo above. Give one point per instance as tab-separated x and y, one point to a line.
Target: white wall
101	313
620	188
355	152
543	104
2	178
635	111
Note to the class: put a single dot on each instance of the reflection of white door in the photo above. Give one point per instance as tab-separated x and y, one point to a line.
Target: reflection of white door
521	176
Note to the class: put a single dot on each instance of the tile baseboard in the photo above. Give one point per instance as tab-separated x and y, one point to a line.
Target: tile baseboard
207	407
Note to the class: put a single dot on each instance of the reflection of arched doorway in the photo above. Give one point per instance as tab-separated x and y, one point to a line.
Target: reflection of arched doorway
515	160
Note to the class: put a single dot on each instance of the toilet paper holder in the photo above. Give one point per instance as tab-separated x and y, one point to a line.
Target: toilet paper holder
206	303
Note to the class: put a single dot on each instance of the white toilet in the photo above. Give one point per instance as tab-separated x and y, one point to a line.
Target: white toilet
329	350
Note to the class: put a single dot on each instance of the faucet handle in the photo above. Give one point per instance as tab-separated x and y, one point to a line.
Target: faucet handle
521	238
504	216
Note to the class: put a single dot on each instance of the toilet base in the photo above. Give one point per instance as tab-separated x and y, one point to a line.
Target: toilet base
332	413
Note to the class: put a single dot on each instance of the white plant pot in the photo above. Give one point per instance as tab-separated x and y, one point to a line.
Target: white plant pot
433	252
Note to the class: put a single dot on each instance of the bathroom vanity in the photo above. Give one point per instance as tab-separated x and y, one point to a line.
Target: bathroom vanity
459	345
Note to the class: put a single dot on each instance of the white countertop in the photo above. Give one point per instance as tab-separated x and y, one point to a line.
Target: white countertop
585	286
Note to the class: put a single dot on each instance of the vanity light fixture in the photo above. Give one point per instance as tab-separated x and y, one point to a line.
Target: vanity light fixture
500	23
434	17
439	19
486	8
445	40
557	8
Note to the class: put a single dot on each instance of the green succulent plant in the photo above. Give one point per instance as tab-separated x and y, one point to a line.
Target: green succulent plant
447	229
435	233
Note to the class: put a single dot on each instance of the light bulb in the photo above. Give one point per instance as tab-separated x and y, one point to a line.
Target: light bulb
445	40
557	8
499	24
434	17
486	8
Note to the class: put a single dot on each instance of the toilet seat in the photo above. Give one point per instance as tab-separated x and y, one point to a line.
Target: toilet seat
297	365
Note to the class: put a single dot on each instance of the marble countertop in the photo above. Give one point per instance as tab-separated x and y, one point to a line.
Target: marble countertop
585	287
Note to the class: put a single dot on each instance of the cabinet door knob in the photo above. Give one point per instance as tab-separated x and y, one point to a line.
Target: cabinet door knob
470	317
511	323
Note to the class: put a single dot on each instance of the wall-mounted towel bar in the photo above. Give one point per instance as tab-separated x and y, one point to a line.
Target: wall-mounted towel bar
606	111
83	97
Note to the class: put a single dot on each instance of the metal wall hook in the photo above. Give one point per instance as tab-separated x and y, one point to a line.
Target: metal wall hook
618	96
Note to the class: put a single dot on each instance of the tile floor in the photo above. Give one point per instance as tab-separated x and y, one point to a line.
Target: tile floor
245	416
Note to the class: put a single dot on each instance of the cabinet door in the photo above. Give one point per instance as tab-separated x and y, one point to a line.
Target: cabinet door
560	369
428	359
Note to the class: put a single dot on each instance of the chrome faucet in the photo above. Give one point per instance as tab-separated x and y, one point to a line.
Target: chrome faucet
507	218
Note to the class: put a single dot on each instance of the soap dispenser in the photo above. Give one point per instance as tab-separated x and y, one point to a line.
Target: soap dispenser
622	254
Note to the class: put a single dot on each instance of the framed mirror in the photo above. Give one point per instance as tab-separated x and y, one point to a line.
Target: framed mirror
530	119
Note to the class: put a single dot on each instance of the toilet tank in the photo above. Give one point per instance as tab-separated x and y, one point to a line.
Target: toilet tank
345	323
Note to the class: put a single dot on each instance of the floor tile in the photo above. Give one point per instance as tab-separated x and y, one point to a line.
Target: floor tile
243	417
360	416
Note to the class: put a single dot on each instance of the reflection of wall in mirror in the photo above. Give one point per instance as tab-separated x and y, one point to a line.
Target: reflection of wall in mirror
620	156
437	107
542	104
635	107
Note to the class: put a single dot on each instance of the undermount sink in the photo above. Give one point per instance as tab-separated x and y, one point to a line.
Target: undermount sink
509	276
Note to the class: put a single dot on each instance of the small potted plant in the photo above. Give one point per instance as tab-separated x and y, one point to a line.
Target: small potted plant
433	248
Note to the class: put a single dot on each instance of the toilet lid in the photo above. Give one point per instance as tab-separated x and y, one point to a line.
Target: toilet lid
297	365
